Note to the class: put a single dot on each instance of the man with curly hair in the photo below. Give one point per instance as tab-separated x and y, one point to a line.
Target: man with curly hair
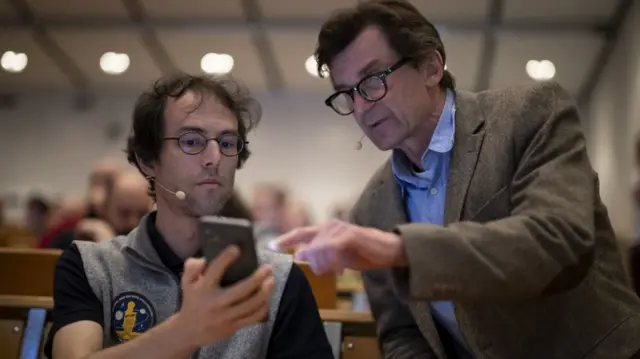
188	138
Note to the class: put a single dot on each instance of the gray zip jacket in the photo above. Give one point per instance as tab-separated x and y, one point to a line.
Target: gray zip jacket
138	292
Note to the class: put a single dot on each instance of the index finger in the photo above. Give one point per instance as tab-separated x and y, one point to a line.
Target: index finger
292	239
219	265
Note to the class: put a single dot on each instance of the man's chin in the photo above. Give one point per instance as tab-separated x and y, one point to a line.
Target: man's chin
207	203
204	210
385	144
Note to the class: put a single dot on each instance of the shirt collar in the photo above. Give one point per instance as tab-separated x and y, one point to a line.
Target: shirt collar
165	253
441	140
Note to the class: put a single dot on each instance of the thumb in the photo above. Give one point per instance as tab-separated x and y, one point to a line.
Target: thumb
193	269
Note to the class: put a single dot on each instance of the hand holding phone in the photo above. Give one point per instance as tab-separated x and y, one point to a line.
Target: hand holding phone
210	313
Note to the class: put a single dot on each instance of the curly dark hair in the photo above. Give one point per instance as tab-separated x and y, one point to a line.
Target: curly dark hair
148	125
407	31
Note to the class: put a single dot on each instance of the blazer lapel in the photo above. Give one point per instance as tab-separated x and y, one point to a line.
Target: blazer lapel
388	211
469	134
387	202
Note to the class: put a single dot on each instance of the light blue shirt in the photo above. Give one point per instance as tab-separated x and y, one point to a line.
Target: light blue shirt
424	192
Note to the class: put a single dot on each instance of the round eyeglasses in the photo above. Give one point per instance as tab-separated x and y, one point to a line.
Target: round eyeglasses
193	143
371	88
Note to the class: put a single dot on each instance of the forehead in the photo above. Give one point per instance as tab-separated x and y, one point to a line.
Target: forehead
369	51
199	109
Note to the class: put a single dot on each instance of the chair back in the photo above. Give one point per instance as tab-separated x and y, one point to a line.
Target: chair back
13	236
24	322
26	299
27	271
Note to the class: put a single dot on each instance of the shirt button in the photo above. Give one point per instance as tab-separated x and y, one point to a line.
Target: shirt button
434	191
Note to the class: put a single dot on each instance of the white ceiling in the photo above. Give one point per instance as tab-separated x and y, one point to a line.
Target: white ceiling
187	29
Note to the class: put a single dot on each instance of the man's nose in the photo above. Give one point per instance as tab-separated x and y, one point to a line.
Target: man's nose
211	154
360	104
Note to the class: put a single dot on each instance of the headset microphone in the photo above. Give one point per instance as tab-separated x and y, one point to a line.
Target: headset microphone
359	143
179	194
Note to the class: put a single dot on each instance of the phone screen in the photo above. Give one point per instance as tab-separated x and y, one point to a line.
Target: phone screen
217	233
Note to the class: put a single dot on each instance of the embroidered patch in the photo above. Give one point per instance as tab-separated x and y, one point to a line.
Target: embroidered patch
131	315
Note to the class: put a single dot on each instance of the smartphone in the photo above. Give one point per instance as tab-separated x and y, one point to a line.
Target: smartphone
217	233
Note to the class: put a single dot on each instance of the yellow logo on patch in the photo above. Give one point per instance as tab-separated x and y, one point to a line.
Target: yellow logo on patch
132	315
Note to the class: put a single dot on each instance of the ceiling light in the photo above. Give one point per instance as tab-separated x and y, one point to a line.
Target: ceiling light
213	63
541	70
311	65
13	61
113	63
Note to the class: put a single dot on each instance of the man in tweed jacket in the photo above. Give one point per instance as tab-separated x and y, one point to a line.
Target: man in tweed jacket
484	235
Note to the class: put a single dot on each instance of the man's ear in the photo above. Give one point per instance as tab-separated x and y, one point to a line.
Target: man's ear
432	69
146	168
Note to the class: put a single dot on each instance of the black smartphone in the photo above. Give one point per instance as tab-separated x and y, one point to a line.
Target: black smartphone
217	233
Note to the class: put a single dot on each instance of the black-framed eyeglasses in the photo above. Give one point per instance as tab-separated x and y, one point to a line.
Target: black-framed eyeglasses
193	143
371	88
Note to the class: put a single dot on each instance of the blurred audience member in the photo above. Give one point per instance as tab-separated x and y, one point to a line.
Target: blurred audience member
68	207
124	204
267	205
236	208
126	201
68	212
37	215
267	209
295	215
99	180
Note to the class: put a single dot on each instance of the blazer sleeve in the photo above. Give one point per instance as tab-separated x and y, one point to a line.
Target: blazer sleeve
546	243
398	334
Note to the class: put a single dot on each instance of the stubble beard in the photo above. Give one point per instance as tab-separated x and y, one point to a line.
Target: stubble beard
208	205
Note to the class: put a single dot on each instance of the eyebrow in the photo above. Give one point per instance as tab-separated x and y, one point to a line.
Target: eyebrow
184	129
371	67
201	131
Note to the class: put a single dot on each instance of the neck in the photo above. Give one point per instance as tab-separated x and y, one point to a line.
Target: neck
178	230
416	145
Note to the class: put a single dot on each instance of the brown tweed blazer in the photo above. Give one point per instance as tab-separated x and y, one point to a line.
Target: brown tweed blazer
527	255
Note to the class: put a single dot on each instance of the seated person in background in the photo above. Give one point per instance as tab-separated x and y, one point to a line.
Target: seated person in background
99	179
125	203
66	215
236	208
295	215
38	211
136	297
267	208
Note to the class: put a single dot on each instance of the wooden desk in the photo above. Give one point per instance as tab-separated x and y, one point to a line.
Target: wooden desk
346	316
